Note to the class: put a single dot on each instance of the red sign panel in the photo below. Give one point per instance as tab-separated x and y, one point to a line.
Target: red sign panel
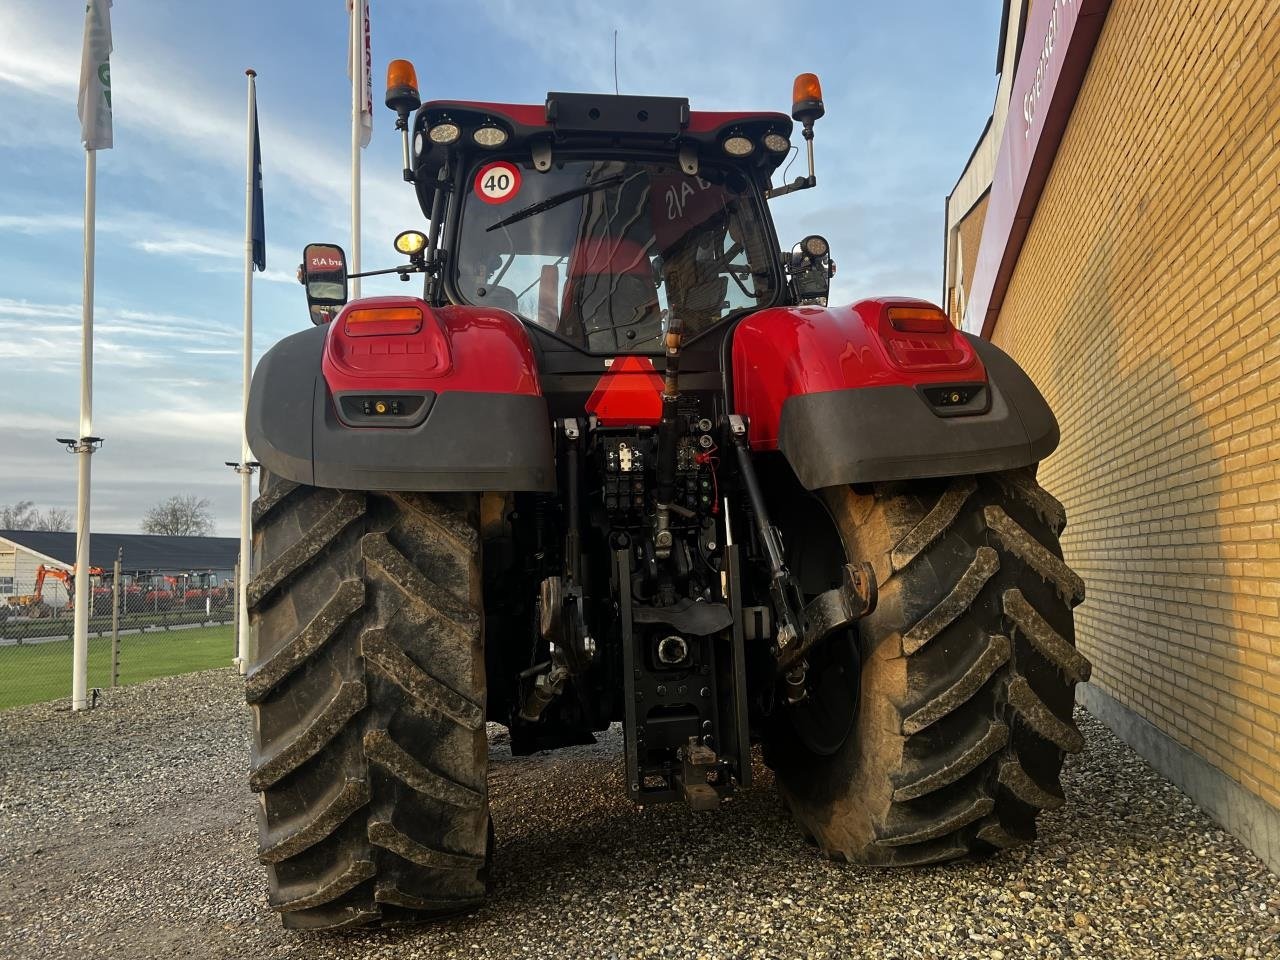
1058	42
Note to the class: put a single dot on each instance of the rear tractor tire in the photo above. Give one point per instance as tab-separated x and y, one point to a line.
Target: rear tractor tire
367	688
962	710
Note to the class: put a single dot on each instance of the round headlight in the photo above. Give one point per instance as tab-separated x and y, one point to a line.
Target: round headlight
490	136
776	143
815	246
444	133
738	146
411	242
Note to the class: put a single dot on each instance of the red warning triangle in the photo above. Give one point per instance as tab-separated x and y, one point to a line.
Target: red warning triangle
628	395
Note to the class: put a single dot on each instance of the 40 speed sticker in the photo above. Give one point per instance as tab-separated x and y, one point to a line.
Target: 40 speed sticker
497	182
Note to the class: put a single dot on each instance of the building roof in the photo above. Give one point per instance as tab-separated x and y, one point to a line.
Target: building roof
141	551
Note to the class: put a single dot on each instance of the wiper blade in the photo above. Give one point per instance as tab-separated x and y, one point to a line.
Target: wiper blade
554	201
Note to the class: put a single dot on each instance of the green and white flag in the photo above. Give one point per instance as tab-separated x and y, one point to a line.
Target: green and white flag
95	77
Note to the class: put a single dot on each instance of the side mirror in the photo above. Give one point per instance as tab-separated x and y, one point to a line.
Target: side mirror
324	274
811	269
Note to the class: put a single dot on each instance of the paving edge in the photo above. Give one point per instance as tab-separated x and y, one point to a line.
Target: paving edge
1248	817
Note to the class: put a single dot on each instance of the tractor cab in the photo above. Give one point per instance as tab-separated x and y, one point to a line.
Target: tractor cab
596	219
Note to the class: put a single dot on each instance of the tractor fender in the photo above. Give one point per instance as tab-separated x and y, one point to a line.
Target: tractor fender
469	413
846	398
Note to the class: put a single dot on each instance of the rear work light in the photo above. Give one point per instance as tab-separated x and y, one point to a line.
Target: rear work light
380	321
919	320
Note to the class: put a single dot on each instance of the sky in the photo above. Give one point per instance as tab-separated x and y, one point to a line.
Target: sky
908	86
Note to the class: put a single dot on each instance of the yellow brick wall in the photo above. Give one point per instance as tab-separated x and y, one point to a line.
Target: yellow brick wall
969	231
1145	306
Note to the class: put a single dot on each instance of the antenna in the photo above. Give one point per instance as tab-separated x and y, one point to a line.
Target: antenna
615	63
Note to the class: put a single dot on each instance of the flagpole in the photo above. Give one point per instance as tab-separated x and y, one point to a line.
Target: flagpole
84	447
245	467
357	103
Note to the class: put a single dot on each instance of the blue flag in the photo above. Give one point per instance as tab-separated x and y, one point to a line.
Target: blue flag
259	227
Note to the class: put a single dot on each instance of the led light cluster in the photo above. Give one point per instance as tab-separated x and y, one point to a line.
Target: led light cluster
490	136
736	145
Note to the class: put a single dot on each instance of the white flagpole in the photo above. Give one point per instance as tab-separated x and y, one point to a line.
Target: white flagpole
245	469
84	448
357	103
94	108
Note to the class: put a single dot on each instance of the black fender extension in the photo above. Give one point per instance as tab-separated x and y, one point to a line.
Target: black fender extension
884	433
466	442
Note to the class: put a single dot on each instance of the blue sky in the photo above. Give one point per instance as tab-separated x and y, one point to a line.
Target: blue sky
908	87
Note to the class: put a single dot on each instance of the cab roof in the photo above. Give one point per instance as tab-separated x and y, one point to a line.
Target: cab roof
587	120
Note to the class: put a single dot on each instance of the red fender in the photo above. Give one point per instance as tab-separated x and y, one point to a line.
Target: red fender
452	348
788	351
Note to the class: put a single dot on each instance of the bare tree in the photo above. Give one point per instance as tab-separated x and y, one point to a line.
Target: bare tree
180	516
23	515
53	519
17	516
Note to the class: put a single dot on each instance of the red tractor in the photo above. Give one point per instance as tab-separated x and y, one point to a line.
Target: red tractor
622	462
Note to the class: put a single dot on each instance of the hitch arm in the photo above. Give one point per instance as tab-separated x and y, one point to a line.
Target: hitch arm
832	610
787	599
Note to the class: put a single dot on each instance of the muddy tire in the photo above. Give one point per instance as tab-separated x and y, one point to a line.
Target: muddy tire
367	689
962	710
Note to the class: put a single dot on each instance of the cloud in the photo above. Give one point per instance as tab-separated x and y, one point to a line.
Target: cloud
179	246
40	224
42	59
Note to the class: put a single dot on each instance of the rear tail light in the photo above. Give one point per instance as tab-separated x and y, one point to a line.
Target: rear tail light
380	321
921	337
919	320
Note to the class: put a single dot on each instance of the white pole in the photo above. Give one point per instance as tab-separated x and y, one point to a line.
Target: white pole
84	448
246	457
357	101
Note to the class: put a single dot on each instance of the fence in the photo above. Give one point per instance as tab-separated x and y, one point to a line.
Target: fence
137	631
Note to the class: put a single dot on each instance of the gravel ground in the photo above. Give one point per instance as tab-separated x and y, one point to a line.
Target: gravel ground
129	832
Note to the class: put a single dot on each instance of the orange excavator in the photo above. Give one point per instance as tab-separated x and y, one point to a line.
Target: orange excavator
33	604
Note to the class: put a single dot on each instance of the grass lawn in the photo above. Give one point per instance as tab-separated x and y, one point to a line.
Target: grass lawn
30	673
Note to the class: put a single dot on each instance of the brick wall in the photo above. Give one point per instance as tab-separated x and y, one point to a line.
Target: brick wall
969	237
1145	306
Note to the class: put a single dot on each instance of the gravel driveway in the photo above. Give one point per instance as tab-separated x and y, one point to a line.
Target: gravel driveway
129	832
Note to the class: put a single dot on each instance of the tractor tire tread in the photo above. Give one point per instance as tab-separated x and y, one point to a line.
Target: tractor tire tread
367	690
968	670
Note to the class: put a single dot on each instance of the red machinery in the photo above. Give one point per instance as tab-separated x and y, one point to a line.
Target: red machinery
622	461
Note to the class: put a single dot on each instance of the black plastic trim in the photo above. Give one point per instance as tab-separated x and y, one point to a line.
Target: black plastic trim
467	441
416	405
877	434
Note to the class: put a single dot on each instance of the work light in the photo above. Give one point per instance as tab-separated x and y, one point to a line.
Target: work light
490	136
776	143
444	133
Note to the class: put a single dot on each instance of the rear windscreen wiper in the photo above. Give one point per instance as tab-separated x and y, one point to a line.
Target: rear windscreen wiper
557	199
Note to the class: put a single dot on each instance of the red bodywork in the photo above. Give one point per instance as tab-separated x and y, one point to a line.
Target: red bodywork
472	349
777	353
785	351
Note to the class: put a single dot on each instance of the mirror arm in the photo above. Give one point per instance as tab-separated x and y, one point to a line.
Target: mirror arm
800	183
407	268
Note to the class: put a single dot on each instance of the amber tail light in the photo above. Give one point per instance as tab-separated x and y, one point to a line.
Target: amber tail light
379	321
919	320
